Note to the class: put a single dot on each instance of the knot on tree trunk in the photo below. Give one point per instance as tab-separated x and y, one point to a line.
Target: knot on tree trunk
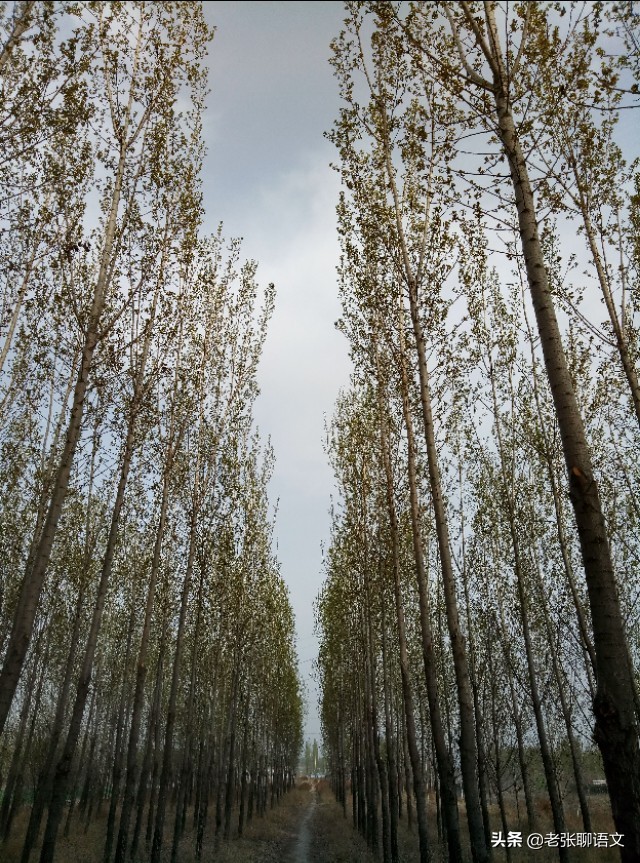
579	481
605	711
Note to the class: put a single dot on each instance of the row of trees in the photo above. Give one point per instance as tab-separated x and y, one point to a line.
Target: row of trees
147	637
481	604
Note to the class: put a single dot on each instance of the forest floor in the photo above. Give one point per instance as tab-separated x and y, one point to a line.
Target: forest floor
308	826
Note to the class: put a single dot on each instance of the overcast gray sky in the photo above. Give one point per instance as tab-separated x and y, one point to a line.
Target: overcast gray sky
267	177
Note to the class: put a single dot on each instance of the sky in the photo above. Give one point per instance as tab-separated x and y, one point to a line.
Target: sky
267	177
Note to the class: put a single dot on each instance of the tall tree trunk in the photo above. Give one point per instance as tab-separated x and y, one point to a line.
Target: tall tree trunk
173	696
155	771
82	760
407	778
467	741
482	759
496	747
564	705
443	752
188	736
507	468
21	23
468	750
17	769
390	746
116	772
243	777
407	695
563	539
141	674
45	782
208	763
147	759
517	723
376	770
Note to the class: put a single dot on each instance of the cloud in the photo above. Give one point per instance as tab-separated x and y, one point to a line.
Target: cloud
290	230
292	233
267	177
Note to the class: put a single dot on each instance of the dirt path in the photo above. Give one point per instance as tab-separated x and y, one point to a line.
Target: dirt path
323	834
307	826
302	847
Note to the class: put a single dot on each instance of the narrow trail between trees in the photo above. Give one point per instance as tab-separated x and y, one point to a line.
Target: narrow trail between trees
302	848
322	834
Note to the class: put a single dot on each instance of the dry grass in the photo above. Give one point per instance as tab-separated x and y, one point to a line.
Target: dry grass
600	811
272	839
268	839
600	815
82	846
333	838
265	840
408	839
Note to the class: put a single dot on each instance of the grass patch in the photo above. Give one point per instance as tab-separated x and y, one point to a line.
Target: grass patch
273	839
333	839
265	840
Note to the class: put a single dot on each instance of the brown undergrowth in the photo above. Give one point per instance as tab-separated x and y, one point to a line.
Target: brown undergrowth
332	838
600	810
408	838
265	840
269	839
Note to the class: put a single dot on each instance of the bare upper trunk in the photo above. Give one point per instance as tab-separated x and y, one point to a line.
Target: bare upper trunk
616	729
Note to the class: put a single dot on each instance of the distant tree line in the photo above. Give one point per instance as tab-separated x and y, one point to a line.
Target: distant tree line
314	761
